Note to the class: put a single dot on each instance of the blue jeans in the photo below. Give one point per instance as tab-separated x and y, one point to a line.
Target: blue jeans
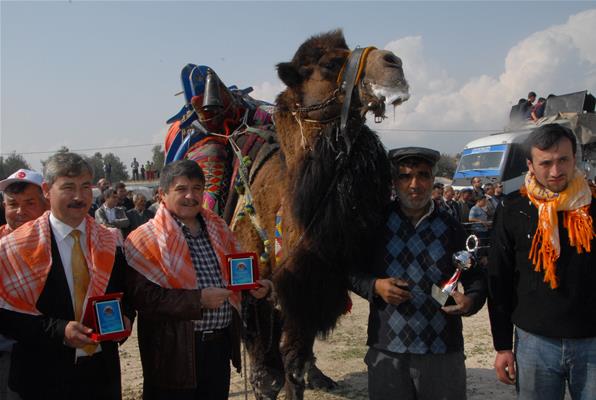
545	365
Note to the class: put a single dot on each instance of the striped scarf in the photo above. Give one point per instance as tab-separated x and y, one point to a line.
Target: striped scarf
159	252
4	230
26	259
575	202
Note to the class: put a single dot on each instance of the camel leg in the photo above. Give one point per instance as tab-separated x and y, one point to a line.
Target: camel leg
316	379
262	343
296	348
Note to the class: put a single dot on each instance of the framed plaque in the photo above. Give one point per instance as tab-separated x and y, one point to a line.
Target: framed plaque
104	315
243	271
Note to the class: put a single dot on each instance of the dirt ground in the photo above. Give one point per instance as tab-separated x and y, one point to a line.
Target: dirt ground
341	357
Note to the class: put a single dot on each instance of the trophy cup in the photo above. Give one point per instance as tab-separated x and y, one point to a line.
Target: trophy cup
462	260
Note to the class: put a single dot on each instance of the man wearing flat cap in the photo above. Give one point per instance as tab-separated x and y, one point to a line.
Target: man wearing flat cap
415	343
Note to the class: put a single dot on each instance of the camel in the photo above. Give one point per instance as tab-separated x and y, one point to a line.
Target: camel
329	183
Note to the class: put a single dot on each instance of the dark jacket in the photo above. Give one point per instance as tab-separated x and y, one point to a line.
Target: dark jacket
42	365
166	332
126	203
137	219
382	317
519	295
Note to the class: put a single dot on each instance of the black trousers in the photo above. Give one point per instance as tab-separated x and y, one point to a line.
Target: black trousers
90	380
212	368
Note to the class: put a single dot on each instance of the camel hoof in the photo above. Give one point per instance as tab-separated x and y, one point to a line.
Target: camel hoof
317	380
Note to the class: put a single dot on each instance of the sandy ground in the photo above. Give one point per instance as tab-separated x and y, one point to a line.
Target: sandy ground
341	357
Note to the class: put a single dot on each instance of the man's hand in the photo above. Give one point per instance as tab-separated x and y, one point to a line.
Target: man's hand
263	290
127	323
393	290
214	297
462	304
77	335
505	366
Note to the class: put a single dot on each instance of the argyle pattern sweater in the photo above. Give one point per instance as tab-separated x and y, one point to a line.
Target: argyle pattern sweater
421	255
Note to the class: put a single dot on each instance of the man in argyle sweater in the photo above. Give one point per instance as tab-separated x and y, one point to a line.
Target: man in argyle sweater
415	344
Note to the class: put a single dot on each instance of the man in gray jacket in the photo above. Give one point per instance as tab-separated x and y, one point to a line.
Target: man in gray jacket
109	214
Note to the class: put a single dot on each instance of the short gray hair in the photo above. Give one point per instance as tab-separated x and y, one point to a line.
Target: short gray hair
65	164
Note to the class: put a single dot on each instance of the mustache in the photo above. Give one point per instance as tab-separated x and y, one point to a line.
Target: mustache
414	191
190	203
76	204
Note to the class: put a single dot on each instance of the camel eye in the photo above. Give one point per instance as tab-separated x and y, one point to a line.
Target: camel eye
332	64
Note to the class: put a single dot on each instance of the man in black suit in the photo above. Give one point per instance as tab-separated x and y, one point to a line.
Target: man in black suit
48	270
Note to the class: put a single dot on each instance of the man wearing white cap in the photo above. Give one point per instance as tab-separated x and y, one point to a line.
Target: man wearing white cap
23	201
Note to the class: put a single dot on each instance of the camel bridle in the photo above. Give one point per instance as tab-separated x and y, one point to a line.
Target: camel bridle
349	77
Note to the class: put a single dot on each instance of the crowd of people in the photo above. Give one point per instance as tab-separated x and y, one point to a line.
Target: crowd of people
170	266
529	109
142	172
473	207
117	207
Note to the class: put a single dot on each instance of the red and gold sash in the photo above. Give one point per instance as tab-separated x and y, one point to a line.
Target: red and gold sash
159	252
4	230
26	259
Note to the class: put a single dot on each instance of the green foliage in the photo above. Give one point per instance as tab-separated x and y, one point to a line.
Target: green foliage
11	164
119	172
446	166
158	157
96	162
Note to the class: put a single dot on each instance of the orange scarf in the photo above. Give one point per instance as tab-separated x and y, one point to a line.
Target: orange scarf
575	202
159	252
26	259
4	230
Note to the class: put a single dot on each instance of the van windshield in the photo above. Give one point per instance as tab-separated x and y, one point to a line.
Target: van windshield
482	158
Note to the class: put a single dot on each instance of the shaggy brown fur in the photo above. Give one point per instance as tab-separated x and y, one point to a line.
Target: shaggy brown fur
331	202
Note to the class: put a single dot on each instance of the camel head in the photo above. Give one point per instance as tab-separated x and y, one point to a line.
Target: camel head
318	76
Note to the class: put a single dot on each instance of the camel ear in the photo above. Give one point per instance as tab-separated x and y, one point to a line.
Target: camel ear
288	74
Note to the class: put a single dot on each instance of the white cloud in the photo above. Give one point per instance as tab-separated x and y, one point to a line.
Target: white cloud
559	59
267	91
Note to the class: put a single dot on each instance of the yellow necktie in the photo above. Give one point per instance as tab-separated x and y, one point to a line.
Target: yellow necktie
80	279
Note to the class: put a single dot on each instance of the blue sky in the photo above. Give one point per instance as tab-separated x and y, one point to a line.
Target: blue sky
103	74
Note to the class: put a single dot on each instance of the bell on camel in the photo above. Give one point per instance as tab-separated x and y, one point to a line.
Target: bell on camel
212	97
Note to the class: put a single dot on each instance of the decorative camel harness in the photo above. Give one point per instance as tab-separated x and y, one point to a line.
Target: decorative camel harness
348	78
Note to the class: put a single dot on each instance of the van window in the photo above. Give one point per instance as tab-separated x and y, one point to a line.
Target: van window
482	158
476	161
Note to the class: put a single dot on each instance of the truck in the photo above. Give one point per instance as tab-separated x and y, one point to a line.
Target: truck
500	157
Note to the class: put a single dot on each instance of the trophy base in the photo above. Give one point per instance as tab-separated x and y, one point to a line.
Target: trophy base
440	297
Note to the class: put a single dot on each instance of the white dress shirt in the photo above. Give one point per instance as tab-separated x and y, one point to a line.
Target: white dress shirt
110	213
65	242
